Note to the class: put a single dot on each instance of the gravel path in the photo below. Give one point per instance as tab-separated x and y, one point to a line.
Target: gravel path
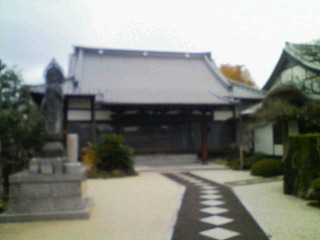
281	216
145	207
131	208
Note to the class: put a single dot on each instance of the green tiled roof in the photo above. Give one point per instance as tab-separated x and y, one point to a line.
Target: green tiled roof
307	54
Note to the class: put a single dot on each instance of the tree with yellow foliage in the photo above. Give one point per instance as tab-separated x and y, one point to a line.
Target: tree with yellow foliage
238	73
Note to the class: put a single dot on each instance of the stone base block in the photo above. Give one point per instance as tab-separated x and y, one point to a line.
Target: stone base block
83	213
35	197
73	167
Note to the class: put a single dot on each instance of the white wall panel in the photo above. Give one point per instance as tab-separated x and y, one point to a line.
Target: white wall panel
263	139
278	149
79	115
102	115
222	115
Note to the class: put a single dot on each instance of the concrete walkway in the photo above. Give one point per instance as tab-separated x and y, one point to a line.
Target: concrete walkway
145	207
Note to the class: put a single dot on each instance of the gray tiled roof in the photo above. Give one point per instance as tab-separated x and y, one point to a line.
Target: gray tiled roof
140	77
242	91
149	77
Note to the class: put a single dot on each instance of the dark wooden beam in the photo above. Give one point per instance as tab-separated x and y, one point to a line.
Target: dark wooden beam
93	120
190	140
65	120
204	140
119	122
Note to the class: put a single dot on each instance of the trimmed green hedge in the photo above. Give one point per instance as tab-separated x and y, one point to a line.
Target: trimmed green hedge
302	164
316	188
267	168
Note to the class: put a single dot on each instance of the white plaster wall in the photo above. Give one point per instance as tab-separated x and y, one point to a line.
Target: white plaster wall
278	150
263	139
222	115
296	72
102	115
79	115
247	138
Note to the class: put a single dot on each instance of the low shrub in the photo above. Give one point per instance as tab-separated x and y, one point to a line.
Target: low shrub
89	160
267	168
316	188
249	160
113	154
232	156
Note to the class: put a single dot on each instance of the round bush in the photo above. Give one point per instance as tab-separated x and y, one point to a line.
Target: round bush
267	168
113	154
316	188
248	161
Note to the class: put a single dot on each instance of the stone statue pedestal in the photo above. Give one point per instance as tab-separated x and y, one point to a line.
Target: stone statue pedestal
47	196
53	188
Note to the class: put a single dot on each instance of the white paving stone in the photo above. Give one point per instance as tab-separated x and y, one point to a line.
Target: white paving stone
219	233
212	202
209	191
214	210
216	220
210	196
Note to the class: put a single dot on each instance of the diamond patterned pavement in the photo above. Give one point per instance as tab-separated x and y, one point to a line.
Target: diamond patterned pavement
213	210
219	233
212	202
216	220
210	196
215	217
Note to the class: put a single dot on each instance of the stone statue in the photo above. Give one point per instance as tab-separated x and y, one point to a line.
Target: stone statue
51	188
52	103
52	107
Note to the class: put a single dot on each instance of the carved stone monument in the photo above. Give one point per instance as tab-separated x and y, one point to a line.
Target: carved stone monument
52	187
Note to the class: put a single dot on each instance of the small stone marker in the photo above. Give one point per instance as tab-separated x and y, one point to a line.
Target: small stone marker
72	147
72	165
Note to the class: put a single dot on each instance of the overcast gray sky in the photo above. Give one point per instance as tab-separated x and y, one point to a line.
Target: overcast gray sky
247	32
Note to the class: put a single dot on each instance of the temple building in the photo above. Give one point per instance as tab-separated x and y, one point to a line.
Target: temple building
160	102
295	78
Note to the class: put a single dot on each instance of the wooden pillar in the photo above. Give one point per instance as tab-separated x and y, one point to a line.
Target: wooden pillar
93	120
241	132
65	120
119	124
190	139
204	140
284	133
